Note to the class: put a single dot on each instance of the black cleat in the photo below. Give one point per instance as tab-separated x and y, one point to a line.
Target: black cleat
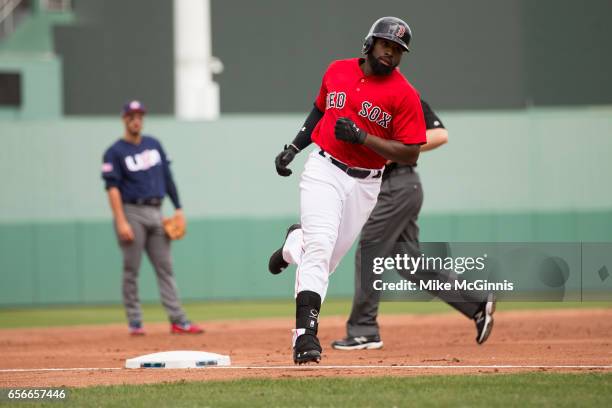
484	319
277	264
307	349
358	343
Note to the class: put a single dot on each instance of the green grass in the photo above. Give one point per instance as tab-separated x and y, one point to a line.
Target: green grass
508	390
77	315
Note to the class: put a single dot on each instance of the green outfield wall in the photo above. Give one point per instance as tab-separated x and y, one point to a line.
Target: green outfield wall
226	258
536	175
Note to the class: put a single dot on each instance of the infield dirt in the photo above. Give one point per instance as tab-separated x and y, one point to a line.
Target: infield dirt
536	338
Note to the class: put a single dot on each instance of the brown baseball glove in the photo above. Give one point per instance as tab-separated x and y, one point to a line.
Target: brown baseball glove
175	227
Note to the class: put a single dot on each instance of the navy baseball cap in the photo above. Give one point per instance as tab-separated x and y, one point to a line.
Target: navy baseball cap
132	107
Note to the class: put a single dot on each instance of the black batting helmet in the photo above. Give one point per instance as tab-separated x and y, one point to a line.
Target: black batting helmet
390	28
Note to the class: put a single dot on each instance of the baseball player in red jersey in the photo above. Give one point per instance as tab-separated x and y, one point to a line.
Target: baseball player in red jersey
366	113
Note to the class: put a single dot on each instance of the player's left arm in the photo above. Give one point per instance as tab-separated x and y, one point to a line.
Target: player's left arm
408	132
171	188
394	150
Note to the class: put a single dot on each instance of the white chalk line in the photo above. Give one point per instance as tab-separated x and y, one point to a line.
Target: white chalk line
323	367
25	370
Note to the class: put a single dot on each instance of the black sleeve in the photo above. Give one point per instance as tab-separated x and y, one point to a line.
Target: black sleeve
303	140
171	187
169	180
432	121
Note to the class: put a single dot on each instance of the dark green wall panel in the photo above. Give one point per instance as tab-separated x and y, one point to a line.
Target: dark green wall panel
17	260
56	258
514	228
189	258
476	228
435	227
226	258
117	51
99	263
594	227
553	227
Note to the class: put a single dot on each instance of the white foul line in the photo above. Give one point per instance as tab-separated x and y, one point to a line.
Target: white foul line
349	367
25	370
320	367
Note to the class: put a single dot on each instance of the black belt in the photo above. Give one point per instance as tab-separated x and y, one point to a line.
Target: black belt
352	171
405	168
154	202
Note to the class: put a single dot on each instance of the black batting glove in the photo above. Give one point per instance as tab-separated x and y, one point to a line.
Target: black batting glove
347	131
284	158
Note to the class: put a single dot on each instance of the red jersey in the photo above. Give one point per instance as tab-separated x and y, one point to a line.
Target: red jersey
384	106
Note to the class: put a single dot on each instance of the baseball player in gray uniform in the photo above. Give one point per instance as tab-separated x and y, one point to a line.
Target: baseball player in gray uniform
136	173
394	221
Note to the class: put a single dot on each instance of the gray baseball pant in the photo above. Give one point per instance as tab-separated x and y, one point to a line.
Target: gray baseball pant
149	236
393	222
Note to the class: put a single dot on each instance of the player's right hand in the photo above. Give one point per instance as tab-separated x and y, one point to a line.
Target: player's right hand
125	232
347	131
284	158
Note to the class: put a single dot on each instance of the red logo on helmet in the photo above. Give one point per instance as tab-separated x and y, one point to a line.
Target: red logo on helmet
401	30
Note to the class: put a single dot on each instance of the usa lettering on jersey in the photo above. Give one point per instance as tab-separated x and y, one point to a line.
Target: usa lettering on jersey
375	114
143	161
335	100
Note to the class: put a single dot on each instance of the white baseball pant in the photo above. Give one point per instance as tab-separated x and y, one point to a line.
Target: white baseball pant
333	208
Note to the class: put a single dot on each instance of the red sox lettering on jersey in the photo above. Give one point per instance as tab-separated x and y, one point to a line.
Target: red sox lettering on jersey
384	106
335	100
375	114
368	110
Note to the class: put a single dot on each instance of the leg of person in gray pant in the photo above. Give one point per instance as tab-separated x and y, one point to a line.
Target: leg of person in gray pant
132	257
149	236
392	222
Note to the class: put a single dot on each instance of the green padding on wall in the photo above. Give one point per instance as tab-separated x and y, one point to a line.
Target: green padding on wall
58	276
100	264
477	228
594	227
17	283
81	263
514	227
223	259
555	227
227	258
433	227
